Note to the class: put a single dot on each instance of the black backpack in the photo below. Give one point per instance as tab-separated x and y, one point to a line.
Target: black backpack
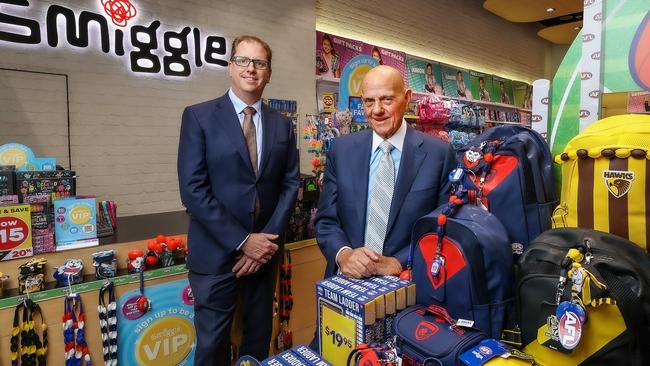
617	329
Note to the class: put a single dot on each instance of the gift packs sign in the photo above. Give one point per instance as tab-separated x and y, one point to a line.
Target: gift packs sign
75	223
15	232
162	336
23	158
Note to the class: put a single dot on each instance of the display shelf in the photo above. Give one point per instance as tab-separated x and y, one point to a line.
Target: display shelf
91	284
506	123
479	102
327	80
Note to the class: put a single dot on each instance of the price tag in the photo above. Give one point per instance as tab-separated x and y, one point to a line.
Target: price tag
15	232
337	335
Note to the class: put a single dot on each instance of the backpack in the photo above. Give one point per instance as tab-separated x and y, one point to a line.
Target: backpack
604	184
469	271
613	286
509	168
430	336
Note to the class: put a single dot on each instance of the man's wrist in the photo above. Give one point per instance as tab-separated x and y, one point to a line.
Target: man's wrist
338	255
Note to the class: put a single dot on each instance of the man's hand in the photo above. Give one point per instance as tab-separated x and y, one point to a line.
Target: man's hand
259	247
388	266
358	263
245	266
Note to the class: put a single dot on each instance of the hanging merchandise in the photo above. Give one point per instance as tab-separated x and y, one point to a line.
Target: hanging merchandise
432	110
70	273
135	261
584	299
143	303
32	275
107	310
605	181
26	345
74	333
509	170
343	121
319	133
105	264
285	338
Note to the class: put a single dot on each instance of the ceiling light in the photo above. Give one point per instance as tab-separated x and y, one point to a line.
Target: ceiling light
550	10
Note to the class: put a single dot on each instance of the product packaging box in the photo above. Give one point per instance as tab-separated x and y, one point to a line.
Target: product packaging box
15	232
75	223
57	183
297	356
7	180
345	319
42	226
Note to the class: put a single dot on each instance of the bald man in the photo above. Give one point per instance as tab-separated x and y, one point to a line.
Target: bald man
390	164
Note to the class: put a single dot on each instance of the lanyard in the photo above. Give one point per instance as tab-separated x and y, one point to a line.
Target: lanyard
76	348
24	339
108	323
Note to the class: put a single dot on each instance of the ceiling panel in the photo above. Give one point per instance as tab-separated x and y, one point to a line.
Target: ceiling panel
561	34
526	11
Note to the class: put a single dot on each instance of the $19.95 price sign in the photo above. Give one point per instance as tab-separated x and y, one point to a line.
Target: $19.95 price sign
337	334
15	232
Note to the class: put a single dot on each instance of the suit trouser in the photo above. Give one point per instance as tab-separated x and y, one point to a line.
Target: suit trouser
215	298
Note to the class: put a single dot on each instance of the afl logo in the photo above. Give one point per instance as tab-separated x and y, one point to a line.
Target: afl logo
536	118
584	113
586	75
598	17
570	330
594	93
485	350
595	56
545	100
588	37
589	2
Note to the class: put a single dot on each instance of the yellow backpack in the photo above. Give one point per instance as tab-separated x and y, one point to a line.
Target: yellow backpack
604	185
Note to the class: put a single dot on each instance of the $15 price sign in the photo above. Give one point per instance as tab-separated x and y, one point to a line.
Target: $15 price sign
15	232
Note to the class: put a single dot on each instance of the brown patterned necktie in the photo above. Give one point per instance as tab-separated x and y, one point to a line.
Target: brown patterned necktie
251	136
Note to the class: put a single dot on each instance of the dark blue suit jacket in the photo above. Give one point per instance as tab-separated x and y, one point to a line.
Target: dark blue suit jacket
218	186
422	184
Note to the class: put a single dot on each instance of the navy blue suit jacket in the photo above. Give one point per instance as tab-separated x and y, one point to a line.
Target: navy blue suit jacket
218	186
422	184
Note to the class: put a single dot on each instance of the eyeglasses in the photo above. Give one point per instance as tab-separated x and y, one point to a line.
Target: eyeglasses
243	61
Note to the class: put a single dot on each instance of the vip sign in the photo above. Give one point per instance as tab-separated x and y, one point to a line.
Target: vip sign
150	49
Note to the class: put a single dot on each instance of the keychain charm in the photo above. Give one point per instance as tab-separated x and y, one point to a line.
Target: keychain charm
571	317
437	264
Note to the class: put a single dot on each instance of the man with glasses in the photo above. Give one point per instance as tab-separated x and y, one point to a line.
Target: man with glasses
238	179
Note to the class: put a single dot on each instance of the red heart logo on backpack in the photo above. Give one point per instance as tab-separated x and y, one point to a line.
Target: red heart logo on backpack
454	260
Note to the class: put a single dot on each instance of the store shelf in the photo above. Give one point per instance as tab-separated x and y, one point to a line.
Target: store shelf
479	102
91	284
506	123
327	80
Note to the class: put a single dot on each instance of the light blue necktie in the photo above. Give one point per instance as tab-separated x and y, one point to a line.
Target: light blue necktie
382	196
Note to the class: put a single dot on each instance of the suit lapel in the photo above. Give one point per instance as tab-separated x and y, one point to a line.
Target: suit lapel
268	137
362	165
410	162
229	122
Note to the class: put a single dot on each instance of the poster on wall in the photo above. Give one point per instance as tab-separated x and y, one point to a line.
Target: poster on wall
386	56
424	76
350	84
638	102
162	336
480	85
333	53
501	90
455	82
523	94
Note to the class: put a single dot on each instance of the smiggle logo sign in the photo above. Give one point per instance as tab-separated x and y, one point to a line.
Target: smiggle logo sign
150	49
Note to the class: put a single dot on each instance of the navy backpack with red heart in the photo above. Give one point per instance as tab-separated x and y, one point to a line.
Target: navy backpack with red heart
509	170
461	259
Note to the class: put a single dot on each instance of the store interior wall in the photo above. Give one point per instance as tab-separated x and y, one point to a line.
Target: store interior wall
457	32
124	127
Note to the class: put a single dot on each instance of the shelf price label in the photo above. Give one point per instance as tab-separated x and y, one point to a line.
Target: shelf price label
337	334
15	232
